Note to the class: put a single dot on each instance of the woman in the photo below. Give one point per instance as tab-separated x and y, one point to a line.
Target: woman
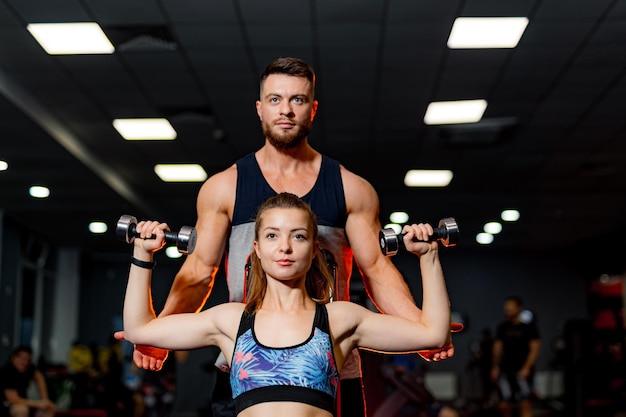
286	345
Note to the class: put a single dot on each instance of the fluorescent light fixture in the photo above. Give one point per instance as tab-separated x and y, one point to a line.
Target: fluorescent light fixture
486	32
145	129
510	215
454	112
98	227
172	252
427	178
399	217
396	227
39	191
493	228
4	165
484	238
180	172
71	38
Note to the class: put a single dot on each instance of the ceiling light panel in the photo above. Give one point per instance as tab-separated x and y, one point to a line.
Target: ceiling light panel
455	112
145	129
486	32
180	172
39	191
71	38
428	178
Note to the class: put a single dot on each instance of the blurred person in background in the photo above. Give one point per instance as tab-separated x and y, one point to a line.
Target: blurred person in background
15	378
515	352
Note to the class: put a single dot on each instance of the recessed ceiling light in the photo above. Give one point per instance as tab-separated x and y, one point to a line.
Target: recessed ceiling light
510	215
39	191
145	129
427	178
71	38
4	165
484	238
180	172
399	217
98	227
395	226
492	228
486	32
454	112
172	252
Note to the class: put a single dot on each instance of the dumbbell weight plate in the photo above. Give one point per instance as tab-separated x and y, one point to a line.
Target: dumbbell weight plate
389	241
186	241
449	230
122	231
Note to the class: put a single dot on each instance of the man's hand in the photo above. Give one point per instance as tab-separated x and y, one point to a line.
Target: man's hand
444	352
146	357
46	405
434	355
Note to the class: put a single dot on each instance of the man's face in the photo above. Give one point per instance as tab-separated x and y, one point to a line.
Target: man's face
512	310
286	109
21	361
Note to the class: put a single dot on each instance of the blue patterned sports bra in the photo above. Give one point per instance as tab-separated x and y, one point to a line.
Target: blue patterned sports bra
304	373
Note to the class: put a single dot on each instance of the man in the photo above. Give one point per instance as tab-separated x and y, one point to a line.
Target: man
346	205
515	352
15	377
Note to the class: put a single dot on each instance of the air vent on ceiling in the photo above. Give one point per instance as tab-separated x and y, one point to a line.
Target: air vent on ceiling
484	133
141	38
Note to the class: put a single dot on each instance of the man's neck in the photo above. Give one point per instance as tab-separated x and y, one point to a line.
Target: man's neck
293	170
271	157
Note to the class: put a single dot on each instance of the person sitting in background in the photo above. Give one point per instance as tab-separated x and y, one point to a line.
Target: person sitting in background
286	345
15	378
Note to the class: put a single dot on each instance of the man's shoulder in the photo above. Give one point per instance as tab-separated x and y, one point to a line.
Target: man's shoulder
358	191
221	180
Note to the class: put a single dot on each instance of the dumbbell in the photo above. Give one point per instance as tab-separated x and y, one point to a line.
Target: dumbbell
447	233
185	239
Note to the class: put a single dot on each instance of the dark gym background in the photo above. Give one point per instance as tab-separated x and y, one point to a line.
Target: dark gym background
551	144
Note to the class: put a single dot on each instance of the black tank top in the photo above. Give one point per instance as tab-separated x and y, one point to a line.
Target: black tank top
327	200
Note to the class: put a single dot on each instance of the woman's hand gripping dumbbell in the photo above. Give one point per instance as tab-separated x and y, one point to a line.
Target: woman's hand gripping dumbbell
185	239
447	233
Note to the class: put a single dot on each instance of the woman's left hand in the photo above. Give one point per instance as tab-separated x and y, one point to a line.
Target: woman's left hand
416	238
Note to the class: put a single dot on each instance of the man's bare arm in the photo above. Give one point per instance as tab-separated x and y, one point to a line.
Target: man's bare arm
194	282
533	355
384	284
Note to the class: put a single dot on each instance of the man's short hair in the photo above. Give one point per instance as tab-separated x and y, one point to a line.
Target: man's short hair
295	67
22	349
516	299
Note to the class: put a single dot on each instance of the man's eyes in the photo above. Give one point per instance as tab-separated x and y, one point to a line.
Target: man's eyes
298	100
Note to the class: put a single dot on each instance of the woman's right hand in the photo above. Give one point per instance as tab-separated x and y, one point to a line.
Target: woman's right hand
151	235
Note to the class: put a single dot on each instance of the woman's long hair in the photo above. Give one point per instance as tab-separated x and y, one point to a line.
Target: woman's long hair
318	282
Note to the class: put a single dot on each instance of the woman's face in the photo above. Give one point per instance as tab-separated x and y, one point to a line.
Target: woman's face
285	243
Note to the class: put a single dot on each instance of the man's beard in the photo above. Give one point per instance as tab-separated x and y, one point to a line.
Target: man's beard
288	140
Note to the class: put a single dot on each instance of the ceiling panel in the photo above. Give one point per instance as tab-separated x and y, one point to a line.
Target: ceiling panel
552	141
